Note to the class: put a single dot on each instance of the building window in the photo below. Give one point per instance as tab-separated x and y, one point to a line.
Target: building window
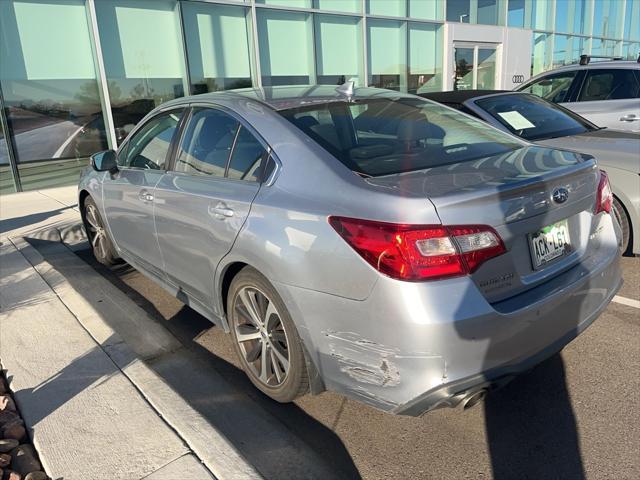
217	38
390	8
143	57
49	87
287	3
350	6
566	50
515	14
387	54
338	49
286	47
570	16
607	18
459	11
425	58
426	9
632	21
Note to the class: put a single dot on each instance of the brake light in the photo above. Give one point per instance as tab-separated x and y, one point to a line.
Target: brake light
420	252
604	199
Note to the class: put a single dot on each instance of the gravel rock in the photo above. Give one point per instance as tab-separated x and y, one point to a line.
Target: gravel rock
14	430
13	475
37	476
3	385
5	459
8	444
24	460
6	403
8	416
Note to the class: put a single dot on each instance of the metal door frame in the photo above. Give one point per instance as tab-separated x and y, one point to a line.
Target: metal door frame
475	46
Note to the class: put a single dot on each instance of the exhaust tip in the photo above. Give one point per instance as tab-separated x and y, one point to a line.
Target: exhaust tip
473	399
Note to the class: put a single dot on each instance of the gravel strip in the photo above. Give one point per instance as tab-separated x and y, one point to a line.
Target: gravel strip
18	458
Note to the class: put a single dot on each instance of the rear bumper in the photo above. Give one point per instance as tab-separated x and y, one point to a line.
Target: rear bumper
412	347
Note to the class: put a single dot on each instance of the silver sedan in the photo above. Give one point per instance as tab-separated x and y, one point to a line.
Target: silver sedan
360	240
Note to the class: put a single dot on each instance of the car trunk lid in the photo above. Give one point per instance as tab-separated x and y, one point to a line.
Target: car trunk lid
514	194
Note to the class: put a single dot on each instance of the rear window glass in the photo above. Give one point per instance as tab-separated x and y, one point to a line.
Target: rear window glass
385	136
533	118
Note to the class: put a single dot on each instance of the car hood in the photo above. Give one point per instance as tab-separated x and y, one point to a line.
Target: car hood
610	147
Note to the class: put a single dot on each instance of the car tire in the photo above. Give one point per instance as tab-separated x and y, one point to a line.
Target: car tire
262	328
101	244
621	215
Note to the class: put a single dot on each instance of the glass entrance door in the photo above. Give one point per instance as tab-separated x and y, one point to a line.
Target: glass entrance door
475	66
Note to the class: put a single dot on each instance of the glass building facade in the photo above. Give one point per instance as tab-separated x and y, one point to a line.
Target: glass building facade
77	75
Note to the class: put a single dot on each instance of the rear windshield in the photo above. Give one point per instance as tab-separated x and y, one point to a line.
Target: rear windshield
533	118
375	137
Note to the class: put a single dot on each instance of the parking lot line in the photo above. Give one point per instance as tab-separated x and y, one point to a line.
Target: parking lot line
627	301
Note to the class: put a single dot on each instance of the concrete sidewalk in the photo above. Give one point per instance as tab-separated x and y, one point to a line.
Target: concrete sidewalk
93	407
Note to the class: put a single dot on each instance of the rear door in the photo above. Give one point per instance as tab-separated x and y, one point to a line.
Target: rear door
128	194
201	204
610	97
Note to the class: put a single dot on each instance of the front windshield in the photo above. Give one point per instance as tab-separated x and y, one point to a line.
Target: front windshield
386	136
533	118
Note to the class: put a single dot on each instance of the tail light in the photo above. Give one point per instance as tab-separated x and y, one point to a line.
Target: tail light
420	252
604	199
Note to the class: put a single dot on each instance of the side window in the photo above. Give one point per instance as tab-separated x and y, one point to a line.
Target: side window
554	88
207	143
149	146
247	158
614	84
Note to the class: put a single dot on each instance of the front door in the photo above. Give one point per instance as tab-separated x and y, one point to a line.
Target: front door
128	194
204	201
475	66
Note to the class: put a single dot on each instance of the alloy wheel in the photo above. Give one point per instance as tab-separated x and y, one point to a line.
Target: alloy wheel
96	231
261	336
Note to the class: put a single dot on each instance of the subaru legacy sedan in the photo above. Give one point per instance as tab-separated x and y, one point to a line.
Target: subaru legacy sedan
362	241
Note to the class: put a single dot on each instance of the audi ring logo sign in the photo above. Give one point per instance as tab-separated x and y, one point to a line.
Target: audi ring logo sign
517	78
560	195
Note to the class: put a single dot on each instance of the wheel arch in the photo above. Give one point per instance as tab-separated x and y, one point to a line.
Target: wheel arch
227	274
632	225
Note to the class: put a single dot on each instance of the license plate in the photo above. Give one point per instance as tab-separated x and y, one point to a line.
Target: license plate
549	243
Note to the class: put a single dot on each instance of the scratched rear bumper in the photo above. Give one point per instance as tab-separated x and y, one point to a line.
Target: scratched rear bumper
412	347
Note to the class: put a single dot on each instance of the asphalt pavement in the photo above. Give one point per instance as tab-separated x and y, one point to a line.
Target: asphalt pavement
575	416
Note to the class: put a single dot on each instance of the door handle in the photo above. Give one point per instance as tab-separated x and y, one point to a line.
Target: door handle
145	196
631	117
221	211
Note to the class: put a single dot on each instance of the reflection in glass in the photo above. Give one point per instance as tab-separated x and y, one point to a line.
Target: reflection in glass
608	18
48	81
486	70
488	12
566	50
515	15
338	49
603	48
425	58
464	68
287	3
217	38
286	47
541	53
387	54
459	11
632	21
570	16
6	174
143	57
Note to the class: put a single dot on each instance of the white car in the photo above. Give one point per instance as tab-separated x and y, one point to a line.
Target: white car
607	93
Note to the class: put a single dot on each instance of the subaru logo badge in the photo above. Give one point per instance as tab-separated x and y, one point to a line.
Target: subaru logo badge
560	195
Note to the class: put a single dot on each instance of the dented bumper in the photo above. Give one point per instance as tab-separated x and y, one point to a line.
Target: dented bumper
412	347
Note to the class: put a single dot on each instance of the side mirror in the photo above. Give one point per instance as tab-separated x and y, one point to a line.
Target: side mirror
104	161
